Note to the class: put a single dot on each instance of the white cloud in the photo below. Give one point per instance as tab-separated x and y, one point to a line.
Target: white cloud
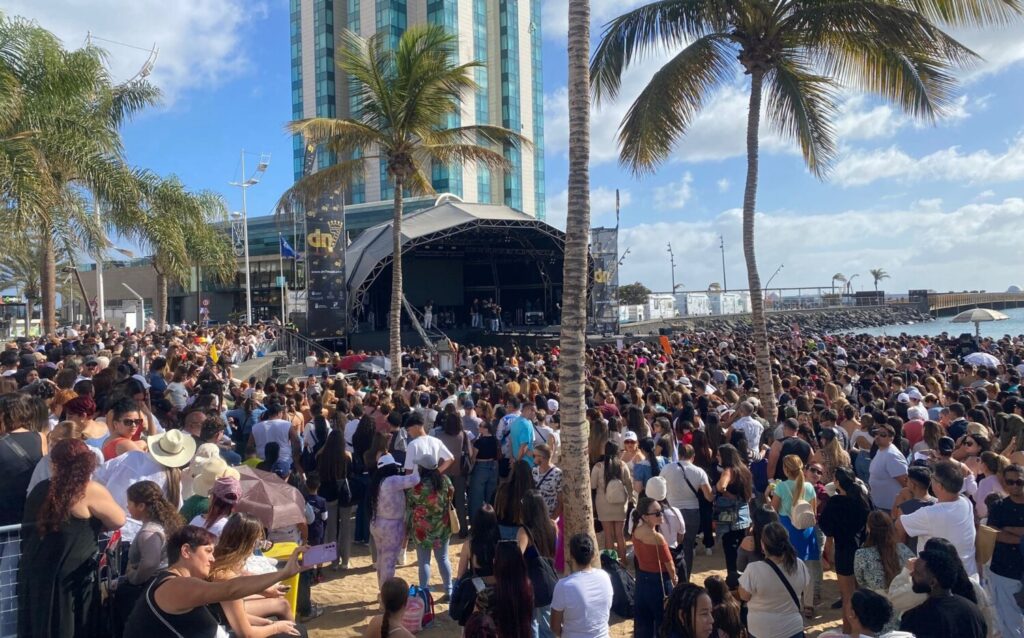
200	41
674	195
999	47
985	194
723	185
859	168
924	245
602	206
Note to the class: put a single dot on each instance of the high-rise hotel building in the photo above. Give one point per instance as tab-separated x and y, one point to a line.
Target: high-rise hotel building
505	35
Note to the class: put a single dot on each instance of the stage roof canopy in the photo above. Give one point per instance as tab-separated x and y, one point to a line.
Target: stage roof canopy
371	252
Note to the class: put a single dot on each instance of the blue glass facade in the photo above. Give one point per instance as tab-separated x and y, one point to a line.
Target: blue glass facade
295	37
392	19
357	189
483	107
323	50
510	98
538	110
446	179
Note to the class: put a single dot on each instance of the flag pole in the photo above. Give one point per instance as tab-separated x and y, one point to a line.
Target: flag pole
280	258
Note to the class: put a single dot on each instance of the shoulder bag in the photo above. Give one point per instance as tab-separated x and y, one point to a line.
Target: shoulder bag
785	582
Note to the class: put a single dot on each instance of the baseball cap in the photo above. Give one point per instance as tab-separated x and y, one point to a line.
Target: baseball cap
468	403
386	460
903	397
552	405
914	394
629	436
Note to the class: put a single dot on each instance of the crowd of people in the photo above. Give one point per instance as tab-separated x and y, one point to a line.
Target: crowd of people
890	461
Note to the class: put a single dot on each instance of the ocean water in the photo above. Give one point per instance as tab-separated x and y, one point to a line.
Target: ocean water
1013	326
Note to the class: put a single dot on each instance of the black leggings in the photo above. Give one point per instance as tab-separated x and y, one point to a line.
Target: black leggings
706	511
731	545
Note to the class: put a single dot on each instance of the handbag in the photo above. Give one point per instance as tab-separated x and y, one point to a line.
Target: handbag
985	543
464	596
727	509
453	520
465	467
541	572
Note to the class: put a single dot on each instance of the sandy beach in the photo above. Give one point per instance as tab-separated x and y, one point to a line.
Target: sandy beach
350	599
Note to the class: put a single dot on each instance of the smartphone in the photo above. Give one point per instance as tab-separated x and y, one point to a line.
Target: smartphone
319	554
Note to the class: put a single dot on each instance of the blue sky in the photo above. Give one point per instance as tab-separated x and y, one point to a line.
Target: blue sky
936	205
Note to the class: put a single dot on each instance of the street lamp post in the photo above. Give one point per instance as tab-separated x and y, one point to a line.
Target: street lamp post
142	73
261	168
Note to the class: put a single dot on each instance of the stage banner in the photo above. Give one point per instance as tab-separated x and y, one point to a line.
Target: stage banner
604	255
326	238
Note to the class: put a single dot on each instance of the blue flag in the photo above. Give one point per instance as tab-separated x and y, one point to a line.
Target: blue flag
286	249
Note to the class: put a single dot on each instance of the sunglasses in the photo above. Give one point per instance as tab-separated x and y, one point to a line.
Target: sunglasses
814	470
133	422
1012	482
884	435
657	513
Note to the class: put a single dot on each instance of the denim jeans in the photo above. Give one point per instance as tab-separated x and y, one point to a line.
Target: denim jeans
542	622
651	589
443	564
483	482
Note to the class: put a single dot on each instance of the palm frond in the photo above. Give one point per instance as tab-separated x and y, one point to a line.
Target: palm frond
800	106
331	180
976	13
665	108
477	134
668	23
341	136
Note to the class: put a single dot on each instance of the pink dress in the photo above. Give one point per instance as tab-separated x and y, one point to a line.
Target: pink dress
388	526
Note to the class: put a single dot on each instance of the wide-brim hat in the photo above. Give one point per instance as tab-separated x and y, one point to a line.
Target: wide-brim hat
173	448
206	473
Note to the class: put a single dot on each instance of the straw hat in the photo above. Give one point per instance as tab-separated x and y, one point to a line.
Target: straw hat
173	448
207	472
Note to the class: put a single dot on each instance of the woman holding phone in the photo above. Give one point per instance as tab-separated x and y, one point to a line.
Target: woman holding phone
177	599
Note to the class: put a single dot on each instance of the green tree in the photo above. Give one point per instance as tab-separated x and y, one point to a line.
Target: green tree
178	228
634	294
20	268
62	136
575	429
798	52
406	95
878	274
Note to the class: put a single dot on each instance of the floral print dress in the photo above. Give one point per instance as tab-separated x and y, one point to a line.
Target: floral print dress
426	514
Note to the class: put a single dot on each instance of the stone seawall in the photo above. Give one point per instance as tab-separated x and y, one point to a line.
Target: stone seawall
817	320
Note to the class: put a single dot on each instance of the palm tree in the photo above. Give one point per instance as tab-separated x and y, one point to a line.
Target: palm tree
878	274
65	128
405	95
799	52
179	229
579	515
20	261
840	277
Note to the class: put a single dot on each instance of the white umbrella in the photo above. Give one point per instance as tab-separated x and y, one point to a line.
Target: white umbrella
981	359
976	316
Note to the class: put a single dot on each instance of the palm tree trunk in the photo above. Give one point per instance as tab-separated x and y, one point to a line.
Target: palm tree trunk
395	326
161	302
579	516
762	356
48	282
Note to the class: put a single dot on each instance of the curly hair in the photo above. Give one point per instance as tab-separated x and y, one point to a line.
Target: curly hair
158	509
73	464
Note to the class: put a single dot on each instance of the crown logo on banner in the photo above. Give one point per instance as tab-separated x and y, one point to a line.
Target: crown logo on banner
335	227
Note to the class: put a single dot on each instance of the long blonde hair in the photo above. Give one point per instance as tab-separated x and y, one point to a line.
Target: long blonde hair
794	469
236	544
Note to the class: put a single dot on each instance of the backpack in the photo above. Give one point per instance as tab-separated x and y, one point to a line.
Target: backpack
419	612
623	586
801	514
308	457
615	491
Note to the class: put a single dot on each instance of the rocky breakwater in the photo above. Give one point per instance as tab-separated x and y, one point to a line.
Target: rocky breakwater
819	321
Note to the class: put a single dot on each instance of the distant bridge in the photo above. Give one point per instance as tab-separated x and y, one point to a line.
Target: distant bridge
949	303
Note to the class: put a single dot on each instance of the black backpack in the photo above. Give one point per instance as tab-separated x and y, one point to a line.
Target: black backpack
623	586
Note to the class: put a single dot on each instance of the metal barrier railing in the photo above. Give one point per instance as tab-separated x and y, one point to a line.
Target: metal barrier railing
10	553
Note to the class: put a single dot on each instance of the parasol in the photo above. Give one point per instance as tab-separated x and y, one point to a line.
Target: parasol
267	497
976	316
982	359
